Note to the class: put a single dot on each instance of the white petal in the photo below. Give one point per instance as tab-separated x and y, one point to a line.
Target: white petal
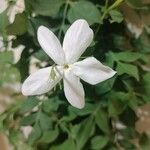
73	89
3	5
40	82
92	71
78	37
11	14
51	45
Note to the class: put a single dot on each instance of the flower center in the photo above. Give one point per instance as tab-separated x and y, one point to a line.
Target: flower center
66	66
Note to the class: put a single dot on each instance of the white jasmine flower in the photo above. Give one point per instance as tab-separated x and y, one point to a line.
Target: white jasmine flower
16	7
77	39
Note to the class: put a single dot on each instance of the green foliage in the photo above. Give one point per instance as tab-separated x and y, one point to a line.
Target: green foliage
57	125
84	132
99	142
115	107
29	104
81	9
123	59
35	134
116	16
49	136
128	69
63	146
46	7
3	22
9	74
21	24
6	57
101	118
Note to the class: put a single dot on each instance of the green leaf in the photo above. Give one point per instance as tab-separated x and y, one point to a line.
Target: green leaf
68	144
19	26
84	132
99	142
126	56
35	134
105	86
116	16
46	7
6	57
9	74
29	104
128	144
129	69
85	10
88	109
51	105
29	120
49	136
115	106
124	67
74	130
3	21
68	118
45	121
101	118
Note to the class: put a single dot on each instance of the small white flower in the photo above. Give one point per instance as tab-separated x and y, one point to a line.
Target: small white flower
16	7
26	131
77	39
3	5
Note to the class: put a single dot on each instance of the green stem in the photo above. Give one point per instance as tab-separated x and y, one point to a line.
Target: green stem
64	17
106	11
115	4
102	18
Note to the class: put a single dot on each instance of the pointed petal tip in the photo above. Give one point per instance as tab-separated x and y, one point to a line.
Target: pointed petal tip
23	90
113	72
40	28
77	38
99	71
73	90
79	106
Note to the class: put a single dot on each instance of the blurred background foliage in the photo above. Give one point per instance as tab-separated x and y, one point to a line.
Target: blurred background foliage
108	121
